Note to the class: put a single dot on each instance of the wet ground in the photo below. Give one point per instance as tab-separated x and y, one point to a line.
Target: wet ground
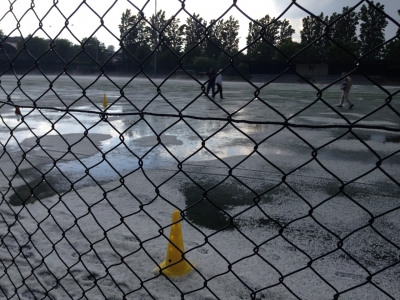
152	141
319	127
263	166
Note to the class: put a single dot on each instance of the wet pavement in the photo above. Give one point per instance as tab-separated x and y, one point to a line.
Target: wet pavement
269	174
203	134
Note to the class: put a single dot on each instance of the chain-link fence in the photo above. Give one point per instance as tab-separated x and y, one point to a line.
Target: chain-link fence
281	194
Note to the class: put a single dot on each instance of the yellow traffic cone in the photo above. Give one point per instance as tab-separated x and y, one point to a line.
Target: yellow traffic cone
175	263
105	100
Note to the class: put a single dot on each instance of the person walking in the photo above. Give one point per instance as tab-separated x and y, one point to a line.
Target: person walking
211	81
17	112
218	82
345	87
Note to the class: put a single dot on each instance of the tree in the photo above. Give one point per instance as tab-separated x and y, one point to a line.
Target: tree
264	29
398	30
225	35
230	35
135	37
92	51
173	35
313	29
344	26
47	55
63	49
289	48
261	35
372	29
343	30
201	61
158	22
33	47
166	41
286	32
392	50
194	31
213	42
284	41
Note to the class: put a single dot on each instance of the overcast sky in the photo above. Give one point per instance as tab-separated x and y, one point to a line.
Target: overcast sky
83	21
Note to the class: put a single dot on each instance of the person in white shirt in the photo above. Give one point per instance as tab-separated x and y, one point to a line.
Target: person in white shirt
345	87
218	82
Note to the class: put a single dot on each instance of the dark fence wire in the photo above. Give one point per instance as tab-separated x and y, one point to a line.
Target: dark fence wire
16	252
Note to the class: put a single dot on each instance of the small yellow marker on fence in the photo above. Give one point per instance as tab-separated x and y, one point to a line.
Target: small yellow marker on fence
175	264
105	100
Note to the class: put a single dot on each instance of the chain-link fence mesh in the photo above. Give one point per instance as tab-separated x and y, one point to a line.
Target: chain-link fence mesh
281	193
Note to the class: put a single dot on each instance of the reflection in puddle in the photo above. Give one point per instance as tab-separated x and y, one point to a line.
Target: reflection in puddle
393	138
376	137
133	145
380	138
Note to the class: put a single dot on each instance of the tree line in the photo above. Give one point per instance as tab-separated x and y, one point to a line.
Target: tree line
198	44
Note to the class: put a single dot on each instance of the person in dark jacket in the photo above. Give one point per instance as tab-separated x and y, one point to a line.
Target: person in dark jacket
211	81
17	112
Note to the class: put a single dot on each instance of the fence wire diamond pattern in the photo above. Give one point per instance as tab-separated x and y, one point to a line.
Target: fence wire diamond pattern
281	194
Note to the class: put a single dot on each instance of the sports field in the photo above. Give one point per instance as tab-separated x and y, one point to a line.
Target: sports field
308	197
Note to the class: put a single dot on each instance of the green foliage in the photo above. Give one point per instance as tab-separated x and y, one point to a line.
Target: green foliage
288	48
372	30
313	34
190	53
135	37
344	26
172	40
64	50
225	35
203	61
286	32
346	52
392	51
262	32
265	35
92	50
194	31
343	31
173	35
33	47
324	39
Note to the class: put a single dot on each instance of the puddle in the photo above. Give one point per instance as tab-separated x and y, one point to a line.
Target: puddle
393	138
207	206
133	143
375	137
128	149
35	188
